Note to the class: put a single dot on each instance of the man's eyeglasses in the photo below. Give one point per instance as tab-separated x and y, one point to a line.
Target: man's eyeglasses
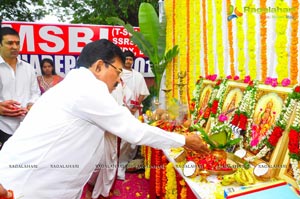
119	70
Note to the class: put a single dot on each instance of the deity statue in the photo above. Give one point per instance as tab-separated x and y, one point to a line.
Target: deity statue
204	102
231	106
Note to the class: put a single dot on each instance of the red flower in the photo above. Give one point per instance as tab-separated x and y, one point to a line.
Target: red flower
293	141
235	119
218	82
297	89
243	121
214	107
275	135
206	113
251	83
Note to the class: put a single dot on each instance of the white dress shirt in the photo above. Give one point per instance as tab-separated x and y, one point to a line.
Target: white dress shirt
62	138
20	85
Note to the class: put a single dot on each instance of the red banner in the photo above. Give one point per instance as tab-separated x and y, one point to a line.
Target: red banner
64	42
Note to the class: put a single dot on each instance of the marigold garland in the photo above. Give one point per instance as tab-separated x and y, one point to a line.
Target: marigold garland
210	37
294	42
183	192
189	84
240	42
171	188
204	28
219	37
251	30
157	165
164	162
281	41
263	40
230	43
169	44
147	162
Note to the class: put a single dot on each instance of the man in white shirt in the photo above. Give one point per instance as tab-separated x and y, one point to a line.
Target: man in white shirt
137	84
18	84
55	150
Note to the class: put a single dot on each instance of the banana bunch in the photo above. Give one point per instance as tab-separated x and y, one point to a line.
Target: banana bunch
242	176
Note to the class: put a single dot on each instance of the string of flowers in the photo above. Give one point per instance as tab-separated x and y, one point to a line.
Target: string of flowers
263	40
294	42
183	192
169	42
281	41
275	132
210	37
164	162
192	45
219	39
197	41
293	146
217	103
194	106
204	37
171	187
157	164
190	84
251	30
147	162
230	43
240	42
176	39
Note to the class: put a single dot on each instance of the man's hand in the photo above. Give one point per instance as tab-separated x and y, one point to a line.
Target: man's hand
4	193
194	142
12	108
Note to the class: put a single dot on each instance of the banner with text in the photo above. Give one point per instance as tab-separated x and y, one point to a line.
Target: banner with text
63	43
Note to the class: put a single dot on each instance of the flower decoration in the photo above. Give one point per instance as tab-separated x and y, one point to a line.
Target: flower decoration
247	79
171	187
285	82
236	77
274	82
229	77
268	81
223	118
293	145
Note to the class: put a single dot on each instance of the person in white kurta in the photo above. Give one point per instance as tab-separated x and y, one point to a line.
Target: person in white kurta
56	148
137	84
104	175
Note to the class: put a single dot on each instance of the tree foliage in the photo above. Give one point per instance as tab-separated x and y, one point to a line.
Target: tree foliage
96	11
22	10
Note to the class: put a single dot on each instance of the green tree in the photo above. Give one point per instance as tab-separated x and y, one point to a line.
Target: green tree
96	11
22	10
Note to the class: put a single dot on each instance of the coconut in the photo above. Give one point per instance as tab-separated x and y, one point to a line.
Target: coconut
190	169
159	111
262	171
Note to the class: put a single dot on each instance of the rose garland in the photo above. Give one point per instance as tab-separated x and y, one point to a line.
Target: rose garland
293	145
274	133
171	187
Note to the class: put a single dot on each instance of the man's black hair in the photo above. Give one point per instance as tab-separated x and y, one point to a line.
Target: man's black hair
7	31
100	49
128	53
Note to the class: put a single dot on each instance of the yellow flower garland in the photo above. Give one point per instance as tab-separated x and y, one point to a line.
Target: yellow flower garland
171	187
204	27
147	161
230	43
219	39
210	38
240	42
251	40
169	44
281	41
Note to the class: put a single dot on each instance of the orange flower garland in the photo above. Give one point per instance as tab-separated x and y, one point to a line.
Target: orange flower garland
263	40
157	164
294	43
183	192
